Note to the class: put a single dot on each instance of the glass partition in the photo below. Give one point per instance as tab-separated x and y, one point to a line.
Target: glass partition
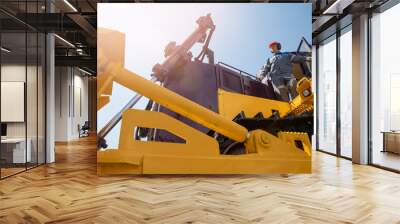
31	97
14	153
327	96
385	89
41	109
345	57
22	78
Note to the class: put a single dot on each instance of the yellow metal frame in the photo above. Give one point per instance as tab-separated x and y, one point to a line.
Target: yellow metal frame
291	137
231	104
304	102
199	154
112	50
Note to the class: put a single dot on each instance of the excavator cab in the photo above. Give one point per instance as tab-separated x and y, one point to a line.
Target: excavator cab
301	70
201	82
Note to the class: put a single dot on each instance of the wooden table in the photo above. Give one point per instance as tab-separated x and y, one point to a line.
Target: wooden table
391	141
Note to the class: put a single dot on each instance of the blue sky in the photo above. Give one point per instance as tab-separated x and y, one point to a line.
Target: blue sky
242	34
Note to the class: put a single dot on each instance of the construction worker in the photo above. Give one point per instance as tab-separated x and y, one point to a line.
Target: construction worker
278	69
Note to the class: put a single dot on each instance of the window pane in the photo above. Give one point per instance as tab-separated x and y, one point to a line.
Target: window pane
22	88
14	153
41	98
346	94
31	97
385	88
327	96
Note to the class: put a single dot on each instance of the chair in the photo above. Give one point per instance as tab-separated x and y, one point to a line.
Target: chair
84	130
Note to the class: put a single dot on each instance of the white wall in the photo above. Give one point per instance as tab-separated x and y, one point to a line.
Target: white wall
80	110
71	94
16	73
33	126
61	103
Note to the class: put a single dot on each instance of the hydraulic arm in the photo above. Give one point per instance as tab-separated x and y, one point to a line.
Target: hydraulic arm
180	52
178	103
174	55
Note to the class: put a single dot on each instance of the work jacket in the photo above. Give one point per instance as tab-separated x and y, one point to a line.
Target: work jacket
280	66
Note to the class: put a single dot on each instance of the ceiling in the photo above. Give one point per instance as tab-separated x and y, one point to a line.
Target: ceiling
328	13
76	20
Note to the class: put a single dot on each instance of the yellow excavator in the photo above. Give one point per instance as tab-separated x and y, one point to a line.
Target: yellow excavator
202	118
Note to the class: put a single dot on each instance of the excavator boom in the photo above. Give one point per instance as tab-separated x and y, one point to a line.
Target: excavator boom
205	23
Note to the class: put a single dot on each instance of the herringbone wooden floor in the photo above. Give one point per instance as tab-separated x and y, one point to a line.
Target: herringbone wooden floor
69	191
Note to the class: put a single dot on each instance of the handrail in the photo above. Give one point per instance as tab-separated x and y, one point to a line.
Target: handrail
238	70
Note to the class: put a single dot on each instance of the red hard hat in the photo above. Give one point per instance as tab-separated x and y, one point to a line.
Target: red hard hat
273	43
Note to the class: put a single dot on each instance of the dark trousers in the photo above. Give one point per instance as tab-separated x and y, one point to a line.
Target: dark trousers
287	87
